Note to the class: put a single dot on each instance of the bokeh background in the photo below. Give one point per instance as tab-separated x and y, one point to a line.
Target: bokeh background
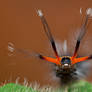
20	25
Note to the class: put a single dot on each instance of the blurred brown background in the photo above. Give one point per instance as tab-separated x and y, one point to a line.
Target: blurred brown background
20	25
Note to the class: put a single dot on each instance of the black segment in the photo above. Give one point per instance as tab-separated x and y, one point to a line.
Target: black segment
54	47
48	33
81	35
77	47
90	57
65	60
40	56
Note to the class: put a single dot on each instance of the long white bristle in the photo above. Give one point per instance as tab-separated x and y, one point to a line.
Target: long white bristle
89	12
11	47
40	13
65	46
80	10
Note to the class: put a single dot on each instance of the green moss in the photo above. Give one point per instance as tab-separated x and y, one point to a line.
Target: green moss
11	87
81	86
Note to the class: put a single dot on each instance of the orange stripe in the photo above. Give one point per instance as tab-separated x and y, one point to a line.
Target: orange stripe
53	60
76	60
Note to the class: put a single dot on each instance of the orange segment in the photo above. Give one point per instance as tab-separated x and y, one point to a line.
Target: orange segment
53	60
76	60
